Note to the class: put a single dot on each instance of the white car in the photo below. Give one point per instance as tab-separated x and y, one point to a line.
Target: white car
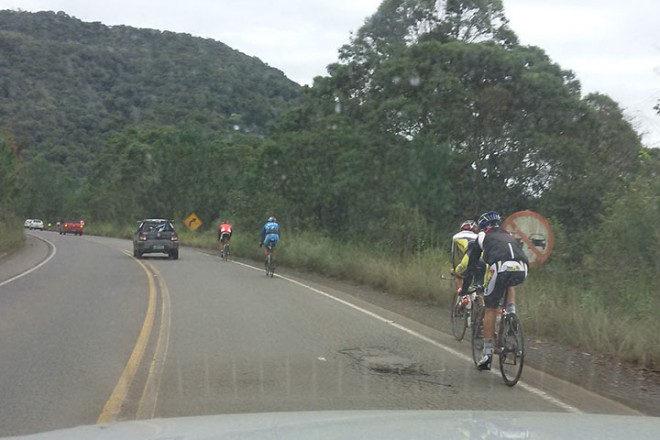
37	224
34	223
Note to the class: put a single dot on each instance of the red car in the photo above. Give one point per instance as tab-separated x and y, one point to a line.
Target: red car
72	228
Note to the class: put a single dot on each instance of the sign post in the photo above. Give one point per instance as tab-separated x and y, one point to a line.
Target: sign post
192	222
533	233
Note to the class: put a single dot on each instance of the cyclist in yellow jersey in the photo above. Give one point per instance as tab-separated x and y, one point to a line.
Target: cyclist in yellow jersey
459	248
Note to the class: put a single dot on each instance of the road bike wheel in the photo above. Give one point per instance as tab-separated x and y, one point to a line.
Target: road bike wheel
225	252
269	264
477	332
459	315
512	349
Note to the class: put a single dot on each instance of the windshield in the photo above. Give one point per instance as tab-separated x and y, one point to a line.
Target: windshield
465	196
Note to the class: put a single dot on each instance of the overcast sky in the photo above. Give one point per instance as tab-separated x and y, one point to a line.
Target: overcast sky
612	45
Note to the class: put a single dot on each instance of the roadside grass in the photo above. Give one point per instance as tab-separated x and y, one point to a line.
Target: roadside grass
554	310
550	305
12	237
418	276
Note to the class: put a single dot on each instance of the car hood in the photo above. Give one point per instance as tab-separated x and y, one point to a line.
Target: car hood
372	425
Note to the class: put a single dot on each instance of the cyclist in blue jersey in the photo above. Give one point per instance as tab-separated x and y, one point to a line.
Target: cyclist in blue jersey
270	235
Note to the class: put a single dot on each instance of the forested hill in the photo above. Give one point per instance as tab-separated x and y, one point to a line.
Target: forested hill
65	84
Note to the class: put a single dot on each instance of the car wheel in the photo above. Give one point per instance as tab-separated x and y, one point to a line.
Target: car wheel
174	255
139	254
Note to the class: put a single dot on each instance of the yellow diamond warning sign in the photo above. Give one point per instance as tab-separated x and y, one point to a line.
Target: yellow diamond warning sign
192	222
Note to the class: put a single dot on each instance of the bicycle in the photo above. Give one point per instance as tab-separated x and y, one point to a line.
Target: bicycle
224	245
509	340
270	262
224	253
461	312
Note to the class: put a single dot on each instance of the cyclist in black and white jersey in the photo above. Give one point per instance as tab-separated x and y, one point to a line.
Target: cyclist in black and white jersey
507	267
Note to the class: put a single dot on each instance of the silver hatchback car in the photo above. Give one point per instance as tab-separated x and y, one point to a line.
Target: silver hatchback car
156	235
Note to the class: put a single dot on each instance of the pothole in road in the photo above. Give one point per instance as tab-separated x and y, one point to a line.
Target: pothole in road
384	361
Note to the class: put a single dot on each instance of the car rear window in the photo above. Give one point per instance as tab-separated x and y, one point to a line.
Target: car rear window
160	226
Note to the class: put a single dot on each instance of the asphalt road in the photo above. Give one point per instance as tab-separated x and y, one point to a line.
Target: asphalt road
94	335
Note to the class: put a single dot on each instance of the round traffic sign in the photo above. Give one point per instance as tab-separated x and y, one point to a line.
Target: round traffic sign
533	233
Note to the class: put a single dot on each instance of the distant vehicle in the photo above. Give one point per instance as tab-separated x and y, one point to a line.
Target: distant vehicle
33	223
37	224
74	227
156	235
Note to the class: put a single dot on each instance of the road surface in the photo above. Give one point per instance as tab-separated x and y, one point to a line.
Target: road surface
90	334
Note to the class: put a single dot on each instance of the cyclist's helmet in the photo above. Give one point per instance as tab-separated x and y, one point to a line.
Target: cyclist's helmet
272	219
469	225
490	218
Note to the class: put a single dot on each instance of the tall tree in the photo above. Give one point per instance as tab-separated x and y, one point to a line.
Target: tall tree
9	177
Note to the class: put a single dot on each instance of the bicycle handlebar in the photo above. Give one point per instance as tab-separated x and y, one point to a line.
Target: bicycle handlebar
476	288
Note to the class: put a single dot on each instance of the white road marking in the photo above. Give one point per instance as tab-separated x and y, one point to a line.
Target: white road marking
29	271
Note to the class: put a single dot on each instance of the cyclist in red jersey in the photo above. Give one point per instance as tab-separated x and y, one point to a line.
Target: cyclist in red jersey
224	233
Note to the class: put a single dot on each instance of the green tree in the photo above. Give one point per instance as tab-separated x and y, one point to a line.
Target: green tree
626	247
67	85
125	179
44	190
476	20
603	161
9	178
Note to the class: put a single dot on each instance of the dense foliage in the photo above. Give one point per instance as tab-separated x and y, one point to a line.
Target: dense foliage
65	85
9	178
438	110
10	224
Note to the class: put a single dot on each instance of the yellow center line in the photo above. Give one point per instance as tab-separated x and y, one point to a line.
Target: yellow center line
147	406
112	407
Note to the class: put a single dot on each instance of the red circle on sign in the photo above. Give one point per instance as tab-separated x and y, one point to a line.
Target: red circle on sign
535	233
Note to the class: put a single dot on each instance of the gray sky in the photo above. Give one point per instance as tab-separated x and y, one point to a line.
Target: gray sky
612	45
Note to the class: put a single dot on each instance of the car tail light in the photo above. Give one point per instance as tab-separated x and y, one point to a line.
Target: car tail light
142	236
174	237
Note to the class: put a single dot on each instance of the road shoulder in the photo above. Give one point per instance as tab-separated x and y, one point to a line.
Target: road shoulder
34	252
627	384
